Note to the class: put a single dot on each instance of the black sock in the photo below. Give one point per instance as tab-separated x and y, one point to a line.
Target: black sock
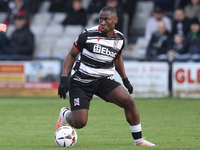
137	135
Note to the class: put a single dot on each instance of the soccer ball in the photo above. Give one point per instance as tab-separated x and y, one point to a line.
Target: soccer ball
65	136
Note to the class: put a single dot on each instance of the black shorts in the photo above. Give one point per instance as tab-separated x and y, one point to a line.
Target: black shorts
81	94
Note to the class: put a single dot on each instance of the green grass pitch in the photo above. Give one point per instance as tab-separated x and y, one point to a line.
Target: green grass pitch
29	124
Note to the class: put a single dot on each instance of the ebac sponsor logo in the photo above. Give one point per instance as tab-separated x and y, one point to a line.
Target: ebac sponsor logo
103	50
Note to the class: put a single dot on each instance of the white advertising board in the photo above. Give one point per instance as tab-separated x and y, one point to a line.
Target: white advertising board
186	80
149	79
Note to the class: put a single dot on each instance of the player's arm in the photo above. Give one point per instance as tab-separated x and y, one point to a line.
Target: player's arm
119	66
67	66
3	28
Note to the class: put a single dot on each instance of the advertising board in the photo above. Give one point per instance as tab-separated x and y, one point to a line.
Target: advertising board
186	79
29	78
149	79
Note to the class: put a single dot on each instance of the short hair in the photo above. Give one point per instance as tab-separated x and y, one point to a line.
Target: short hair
109	8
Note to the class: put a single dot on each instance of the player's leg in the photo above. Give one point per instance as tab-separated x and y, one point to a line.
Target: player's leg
77	118
122	98
114	92
118	95
79	101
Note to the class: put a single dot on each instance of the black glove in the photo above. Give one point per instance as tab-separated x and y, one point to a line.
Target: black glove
128	85
63	87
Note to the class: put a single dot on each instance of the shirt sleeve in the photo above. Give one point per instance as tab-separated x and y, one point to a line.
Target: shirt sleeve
80	41
120	52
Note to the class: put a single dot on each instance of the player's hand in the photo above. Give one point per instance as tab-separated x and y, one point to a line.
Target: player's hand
63	87
3	28
128	85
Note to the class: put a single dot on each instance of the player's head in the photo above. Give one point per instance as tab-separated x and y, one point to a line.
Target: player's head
107	20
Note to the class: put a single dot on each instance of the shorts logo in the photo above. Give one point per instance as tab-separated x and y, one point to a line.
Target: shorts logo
76	102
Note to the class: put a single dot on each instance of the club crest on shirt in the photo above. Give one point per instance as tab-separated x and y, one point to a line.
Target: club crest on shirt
115	44
76	102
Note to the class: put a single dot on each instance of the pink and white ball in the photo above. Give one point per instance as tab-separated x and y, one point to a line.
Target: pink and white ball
65	136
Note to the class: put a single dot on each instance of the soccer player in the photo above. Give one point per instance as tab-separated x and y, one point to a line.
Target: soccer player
3	28
99	50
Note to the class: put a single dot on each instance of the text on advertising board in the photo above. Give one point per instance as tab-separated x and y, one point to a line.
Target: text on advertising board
182	76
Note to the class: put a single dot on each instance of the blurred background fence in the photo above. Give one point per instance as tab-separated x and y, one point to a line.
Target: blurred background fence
38	74
152	78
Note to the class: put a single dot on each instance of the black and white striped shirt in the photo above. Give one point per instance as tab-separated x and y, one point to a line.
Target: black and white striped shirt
97	54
